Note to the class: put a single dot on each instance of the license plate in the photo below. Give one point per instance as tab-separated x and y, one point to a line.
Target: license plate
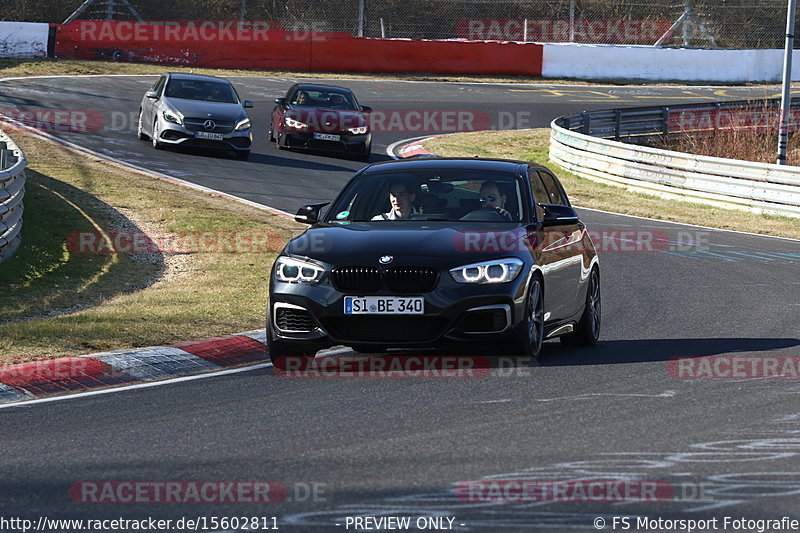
384	305
208	135
326	137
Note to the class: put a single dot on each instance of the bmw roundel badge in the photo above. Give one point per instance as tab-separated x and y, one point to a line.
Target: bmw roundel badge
386	259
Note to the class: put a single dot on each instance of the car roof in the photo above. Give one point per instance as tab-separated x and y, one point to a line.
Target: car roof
454	163
315	86
185	76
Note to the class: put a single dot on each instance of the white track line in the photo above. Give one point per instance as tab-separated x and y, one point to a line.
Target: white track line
167	381
136	386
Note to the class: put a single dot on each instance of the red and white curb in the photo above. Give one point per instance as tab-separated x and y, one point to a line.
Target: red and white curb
408	148
38	379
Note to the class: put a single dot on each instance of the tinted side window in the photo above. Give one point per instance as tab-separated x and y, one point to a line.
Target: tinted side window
159	84
555	192
540	195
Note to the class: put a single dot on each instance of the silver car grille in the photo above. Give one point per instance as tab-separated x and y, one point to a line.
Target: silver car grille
198	124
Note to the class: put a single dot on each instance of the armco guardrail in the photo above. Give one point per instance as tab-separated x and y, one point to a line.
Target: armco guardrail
12	189
588	144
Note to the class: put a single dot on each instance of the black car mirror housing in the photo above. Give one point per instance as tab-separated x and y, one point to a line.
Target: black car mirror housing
366	109
309	214
558	215
280	101
248	104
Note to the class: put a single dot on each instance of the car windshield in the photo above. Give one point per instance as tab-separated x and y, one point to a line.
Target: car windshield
327	99
432	195
209	91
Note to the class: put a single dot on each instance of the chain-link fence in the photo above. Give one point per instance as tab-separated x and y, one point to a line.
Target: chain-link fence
691	23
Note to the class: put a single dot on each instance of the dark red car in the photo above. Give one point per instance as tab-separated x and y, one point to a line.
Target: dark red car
321	117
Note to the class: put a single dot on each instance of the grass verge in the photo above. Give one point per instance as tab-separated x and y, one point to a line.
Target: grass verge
534	145
57	301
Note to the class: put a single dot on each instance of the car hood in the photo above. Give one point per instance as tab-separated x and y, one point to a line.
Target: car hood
324	119
202	109
409	243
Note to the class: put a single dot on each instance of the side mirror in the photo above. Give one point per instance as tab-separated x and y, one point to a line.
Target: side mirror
558	215
366	109
248	104
309	214
151	94
280	101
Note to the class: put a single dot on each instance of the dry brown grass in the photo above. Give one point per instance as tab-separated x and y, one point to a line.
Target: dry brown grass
57	302
746	145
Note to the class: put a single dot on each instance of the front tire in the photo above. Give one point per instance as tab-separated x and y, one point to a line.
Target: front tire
588	330
242	155
154	138
279	142
365	155
530	332
140	129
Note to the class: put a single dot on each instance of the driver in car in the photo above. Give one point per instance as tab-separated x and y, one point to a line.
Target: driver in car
492	198
401	198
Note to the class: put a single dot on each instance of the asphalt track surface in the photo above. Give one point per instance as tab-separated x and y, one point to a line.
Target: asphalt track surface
398	447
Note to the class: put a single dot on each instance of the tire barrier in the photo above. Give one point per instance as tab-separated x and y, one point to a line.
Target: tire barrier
12	190
588	144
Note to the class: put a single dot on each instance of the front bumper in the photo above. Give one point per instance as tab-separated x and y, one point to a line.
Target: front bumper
453	313
179	135
348	142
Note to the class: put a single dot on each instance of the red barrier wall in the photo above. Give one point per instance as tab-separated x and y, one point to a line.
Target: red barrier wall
251	48
439	57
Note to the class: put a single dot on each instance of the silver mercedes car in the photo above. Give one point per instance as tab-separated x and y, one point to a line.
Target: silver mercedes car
197	111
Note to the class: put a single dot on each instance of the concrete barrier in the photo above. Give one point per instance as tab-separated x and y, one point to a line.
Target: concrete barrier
601	62
23	39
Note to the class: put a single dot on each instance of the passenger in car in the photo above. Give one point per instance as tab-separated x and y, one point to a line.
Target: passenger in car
492	198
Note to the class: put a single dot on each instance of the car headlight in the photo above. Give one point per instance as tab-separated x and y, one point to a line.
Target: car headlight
292	123
358	131
290	270
494	271
171	116
243	124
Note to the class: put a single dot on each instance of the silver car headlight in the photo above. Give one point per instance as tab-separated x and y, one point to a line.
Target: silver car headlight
292	123
290	270
494	271
358	131
243	124
171	116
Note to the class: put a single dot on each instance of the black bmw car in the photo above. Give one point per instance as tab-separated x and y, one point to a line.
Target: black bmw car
426	252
